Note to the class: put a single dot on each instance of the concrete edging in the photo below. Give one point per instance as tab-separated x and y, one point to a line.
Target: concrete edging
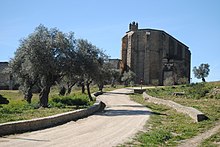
195	114
50	121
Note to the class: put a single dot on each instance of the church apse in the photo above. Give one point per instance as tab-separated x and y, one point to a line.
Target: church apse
155	56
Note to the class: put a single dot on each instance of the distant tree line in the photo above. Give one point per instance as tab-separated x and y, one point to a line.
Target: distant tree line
48	57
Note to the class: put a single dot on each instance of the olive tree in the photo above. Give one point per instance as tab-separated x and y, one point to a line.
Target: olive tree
103	75
115	76
128	77
42	58
202	71
107	75
22	70
90	60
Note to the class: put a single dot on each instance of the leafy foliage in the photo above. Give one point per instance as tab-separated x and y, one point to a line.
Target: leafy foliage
71	100
198	91
202	71
18	109
90	61
49	56
42	58
128	77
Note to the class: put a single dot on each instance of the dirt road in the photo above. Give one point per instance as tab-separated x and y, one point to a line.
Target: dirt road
120	121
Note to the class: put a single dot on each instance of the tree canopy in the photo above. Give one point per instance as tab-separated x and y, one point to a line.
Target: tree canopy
49	56
90	62
202	71
42	58
128	77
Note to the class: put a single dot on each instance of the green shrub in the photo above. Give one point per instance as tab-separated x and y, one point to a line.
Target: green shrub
72	100
19	109
198	90
16	107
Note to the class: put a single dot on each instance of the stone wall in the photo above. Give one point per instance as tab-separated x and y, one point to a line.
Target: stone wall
152	53
195	114
45	122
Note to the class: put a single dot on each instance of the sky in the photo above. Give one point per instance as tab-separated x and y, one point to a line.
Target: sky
196	23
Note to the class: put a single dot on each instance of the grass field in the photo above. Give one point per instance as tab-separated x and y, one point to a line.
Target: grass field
200	96
168	128
213	141
19	109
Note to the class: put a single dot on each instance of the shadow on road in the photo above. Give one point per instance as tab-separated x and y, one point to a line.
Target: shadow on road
112	92
135	106
110	112
28	139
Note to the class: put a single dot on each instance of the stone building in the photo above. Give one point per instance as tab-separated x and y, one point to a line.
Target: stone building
5	77
115	63
155	57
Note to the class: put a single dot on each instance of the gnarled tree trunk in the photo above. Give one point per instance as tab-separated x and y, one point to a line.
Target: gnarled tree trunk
44	94
88	90
69	88
83	87
28	94
100	86
62	91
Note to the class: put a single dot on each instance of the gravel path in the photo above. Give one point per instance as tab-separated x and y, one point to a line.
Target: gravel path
121	120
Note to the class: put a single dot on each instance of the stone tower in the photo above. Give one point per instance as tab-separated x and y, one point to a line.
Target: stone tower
155	56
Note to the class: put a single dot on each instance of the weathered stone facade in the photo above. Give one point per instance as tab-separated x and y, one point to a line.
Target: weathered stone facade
115	63
5	78
155	56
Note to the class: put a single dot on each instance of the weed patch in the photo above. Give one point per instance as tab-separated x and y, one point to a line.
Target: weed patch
155	137
71	100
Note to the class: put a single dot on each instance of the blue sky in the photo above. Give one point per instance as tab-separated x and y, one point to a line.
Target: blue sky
194	22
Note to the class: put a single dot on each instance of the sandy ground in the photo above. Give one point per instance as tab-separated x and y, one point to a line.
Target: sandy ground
121	120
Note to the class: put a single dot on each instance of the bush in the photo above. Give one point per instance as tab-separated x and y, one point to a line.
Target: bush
16	107
72	100
198	90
